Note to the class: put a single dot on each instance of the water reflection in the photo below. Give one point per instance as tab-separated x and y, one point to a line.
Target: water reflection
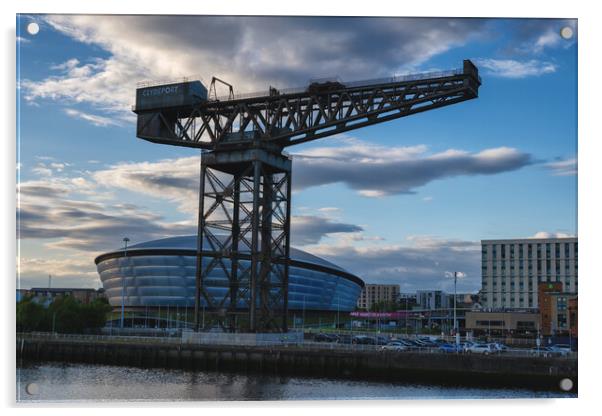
82	382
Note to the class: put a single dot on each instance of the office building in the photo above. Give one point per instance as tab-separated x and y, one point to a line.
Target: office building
373	294
512	269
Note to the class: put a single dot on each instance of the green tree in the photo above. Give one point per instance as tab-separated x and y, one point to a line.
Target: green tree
65	314
31	316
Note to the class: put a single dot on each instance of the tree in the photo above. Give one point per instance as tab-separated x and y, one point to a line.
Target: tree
31	315
65	314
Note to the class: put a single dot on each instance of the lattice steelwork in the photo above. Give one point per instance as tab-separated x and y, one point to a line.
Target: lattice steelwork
246	209
244	137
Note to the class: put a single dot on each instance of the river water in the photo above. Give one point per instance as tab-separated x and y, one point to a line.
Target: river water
60	382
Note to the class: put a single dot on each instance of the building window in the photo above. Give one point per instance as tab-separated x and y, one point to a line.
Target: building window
490	323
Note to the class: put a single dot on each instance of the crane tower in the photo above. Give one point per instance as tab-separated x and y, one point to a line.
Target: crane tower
245	176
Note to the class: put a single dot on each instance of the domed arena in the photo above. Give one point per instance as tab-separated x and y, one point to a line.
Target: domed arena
161	273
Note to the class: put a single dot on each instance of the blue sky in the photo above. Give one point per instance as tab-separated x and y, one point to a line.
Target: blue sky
416	206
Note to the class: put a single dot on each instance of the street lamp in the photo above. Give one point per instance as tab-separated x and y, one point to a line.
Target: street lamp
125	254
456	332
303	313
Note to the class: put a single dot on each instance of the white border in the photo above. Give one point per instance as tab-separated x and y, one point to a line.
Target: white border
589	187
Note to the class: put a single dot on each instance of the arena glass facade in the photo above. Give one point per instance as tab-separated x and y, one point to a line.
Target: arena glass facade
161	273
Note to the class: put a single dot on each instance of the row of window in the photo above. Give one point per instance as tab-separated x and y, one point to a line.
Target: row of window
508	251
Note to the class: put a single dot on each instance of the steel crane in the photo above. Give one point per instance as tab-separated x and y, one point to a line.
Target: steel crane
245	177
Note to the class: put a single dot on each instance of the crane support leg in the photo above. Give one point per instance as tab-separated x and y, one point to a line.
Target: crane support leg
244	239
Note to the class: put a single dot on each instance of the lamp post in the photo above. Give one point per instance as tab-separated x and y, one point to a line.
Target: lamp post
455	296
125	254
456	332
303	330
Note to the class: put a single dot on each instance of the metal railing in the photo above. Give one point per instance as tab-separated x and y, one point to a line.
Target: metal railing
293	344
352	84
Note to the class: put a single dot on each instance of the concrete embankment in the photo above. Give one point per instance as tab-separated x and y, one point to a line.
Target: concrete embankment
455	369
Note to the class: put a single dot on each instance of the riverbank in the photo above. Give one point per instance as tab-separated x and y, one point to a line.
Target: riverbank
301	360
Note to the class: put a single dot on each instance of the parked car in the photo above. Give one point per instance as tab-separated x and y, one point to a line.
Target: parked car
543	351
561	349
484	349
499	347
566	348
363	340
394	346
410	346
467	345
450	348
382	340
324	338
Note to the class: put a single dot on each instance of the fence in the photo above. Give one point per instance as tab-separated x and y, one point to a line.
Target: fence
290	340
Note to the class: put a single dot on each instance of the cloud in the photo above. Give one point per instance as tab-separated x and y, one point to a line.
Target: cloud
251	52
175	180
78	271
510	68
52	209
421	263
371	170
309	229
536	36
41	170
96	120
567	167
377	171
545	234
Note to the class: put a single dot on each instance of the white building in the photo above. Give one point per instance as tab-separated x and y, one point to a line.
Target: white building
511	270
373	293
432	299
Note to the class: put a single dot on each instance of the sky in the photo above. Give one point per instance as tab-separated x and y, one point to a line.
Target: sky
403	202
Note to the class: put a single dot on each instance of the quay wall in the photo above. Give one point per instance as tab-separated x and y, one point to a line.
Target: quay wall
300	360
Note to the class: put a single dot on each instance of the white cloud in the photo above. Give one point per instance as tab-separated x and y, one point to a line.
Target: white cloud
421	263
546	234
566	167
549	38
41	170
96	120
261	51
510	68
175	180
